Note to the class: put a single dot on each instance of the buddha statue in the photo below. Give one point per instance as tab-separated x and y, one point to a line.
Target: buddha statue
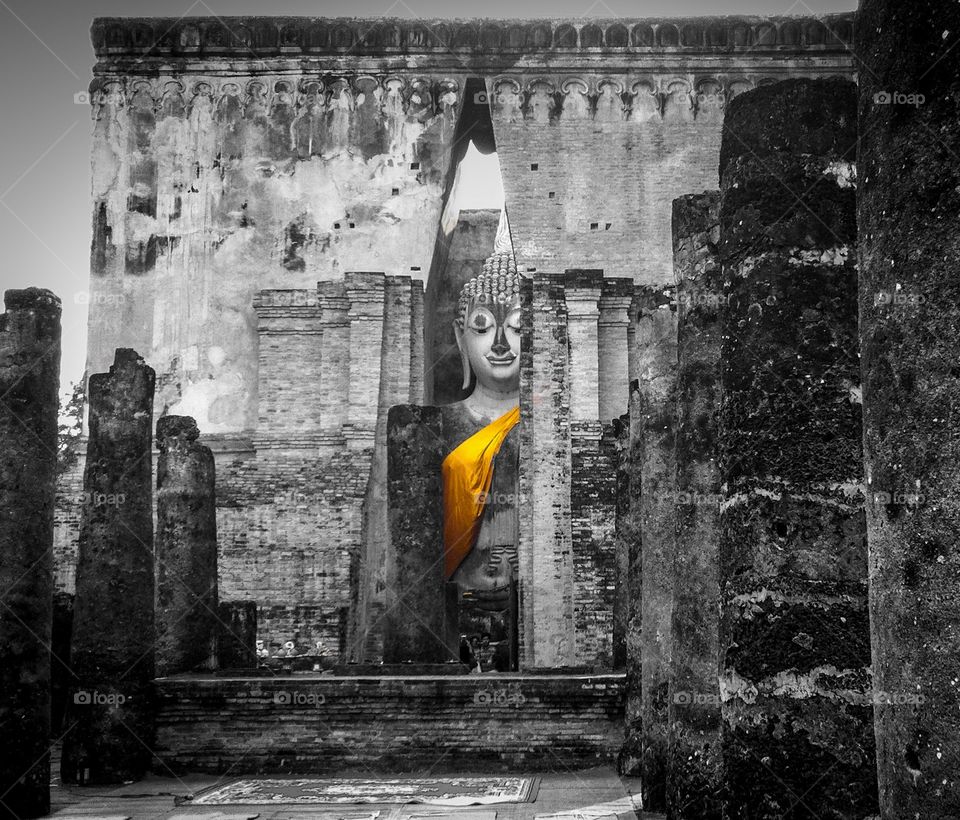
464	535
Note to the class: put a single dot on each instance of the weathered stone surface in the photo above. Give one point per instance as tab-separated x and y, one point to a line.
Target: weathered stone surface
909	296
416	615
366	723
693	759
656	340
237	641
29	384
794	646
629	581
61	675
112	649
498	40
186	550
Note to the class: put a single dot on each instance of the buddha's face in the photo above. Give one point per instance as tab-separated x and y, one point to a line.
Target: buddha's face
490	342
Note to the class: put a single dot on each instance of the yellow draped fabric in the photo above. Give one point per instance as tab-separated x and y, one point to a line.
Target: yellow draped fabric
467	476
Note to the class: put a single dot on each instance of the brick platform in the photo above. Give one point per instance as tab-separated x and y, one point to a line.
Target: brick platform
374	724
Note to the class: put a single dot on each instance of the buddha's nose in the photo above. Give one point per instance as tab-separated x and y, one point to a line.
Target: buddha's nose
500	345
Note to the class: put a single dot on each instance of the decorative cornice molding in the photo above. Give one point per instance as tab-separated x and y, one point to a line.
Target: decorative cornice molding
254	38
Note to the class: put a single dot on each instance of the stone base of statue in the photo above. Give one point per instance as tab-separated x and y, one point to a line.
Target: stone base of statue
488	623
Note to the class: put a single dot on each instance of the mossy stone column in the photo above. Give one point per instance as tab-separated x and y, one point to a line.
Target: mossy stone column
908	217
693	702
112	649
29	384
186	549
794	636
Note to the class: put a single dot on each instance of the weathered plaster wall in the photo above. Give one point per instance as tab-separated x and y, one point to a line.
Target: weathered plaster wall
212	185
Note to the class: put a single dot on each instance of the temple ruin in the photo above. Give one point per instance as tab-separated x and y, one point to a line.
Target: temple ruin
685	571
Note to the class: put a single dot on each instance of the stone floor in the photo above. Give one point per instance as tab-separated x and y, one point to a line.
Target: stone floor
595	794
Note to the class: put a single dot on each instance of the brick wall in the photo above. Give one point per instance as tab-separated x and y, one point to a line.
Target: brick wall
507	722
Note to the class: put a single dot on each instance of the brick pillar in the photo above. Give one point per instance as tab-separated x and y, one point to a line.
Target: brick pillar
693	702
112	648
365	293
334	395
186	550
614	343
29	385
591	532
646	745
237	641
582	295
290	391
546	552
417	375
794	641
909	276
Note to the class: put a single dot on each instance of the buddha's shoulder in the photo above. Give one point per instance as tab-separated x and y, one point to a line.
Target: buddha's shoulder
453	422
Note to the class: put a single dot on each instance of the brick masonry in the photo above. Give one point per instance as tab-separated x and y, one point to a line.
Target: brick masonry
380	724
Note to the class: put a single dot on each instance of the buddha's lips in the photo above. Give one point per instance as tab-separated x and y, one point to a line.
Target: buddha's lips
501	360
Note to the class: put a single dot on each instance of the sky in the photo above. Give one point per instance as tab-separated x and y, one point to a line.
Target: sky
46	59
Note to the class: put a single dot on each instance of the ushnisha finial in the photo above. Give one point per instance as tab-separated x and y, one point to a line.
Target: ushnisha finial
498	283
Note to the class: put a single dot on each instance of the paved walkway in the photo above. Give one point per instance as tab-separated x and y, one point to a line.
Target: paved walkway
595	794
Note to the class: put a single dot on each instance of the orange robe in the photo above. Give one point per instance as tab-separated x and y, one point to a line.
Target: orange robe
467	476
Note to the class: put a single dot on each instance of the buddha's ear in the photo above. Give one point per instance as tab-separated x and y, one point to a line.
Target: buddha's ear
464	359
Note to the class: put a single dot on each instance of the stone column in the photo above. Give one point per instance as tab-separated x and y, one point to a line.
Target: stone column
112	649
910	334
794	641
418	626
646	745
186	550
237	642
546	552
29	385
693	708
614	345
